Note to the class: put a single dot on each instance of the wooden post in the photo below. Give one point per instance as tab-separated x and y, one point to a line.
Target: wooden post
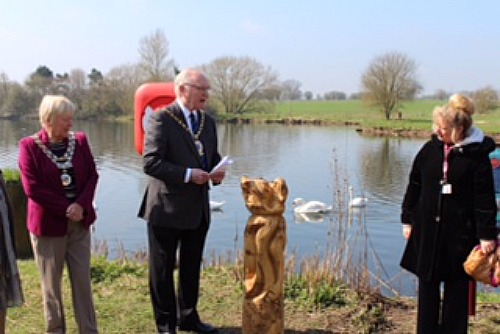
264	256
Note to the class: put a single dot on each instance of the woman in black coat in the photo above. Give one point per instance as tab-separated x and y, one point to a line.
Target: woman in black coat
448	208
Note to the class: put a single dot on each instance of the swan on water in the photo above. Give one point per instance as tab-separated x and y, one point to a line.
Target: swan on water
357	202
301	206
216	205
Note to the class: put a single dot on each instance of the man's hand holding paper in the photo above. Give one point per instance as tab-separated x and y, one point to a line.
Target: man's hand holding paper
225	162
219	171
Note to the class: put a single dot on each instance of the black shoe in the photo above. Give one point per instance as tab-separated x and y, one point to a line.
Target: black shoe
170	330
192	323
198	327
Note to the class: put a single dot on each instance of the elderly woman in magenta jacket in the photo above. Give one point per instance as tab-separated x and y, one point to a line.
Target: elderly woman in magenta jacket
448	208
59	177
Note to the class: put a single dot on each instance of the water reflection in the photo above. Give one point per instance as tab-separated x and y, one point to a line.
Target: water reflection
385	165
300	217
316	162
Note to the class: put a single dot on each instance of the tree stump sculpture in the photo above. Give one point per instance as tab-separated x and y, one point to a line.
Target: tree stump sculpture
264	256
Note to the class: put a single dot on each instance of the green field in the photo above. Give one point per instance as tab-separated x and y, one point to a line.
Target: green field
415	115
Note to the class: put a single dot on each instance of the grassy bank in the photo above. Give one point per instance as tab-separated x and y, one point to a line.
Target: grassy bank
122	303
415	115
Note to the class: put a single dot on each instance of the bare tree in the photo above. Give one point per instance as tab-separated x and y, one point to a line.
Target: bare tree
154	62
389	80
271	93
441	94
123	82
17	101
77	79
291	90
356	96
238	82
335	95
4	80
308	95
485	99
77	83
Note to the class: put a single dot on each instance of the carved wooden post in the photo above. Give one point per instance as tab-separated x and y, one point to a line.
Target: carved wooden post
264	257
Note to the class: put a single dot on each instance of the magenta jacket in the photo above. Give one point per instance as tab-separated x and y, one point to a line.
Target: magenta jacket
47	203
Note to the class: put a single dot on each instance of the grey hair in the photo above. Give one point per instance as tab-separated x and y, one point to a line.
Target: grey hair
53	106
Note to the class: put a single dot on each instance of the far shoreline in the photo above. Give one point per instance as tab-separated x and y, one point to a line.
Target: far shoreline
358	127
376	131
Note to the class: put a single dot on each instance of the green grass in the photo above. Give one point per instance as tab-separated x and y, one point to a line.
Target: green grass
416	115
313	302
489	297
11	175
121	295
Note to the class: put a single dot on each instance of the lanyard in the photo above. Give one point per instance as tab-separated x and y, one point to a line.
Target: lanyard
447	150
445	186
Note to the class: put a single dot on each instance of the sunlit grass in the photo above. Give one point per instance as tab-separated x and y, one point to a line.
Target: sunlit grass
312	296
415	115
11	175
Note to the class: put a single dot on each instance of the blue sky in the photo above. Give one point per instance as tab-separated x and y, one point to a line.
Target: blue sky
326	45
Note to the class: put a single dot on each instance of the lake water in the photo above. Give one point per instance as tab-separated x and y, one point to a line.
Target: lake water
315	161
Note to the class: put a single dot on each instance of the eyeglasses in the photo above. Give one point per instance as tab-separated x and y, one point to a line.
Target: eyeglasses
201	88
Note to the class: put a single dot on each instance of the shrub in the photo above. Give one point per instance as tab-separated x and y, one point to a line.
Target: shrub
103	270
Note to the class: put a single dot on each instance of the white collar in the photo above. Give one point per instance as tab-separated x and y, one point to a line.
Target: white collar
185	110
186	113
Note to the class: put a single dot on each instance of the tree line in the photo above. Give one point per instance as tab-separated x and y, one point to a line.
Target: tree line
239	85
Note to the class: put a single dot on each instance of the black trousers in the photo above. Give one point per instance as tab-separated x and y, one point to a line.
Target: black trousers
163	245
449	316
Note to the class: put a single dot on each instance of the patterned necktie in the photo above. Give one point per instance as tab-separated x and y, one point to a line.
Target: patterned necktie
194	122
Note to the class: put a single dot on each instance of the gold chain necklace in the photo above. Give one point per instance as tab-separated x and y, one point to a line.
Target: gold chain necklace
64	162
195	136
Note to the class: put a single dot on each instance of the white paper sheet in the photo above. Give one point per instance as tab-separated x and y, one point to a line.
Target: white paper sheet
225	162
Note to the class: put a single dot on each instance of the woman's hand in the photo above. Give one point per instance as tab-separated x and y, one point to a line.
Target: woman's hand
74	212
488	246
406	231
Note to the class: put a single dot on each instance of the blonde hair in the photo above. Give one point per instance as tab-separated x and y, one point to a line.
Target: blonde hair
462	102
457	114
53	106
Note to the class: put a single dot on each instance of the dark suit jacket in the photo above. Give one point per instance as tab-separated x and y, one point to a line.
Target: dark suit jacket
168	151
41	180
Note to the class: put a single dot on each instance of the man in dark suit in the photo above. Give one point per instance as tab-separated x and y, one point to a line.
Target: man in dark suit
178	154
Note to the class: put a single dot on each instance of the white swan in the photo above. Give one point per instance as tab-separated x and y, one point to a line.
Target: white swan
216	205
357	202
301	206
